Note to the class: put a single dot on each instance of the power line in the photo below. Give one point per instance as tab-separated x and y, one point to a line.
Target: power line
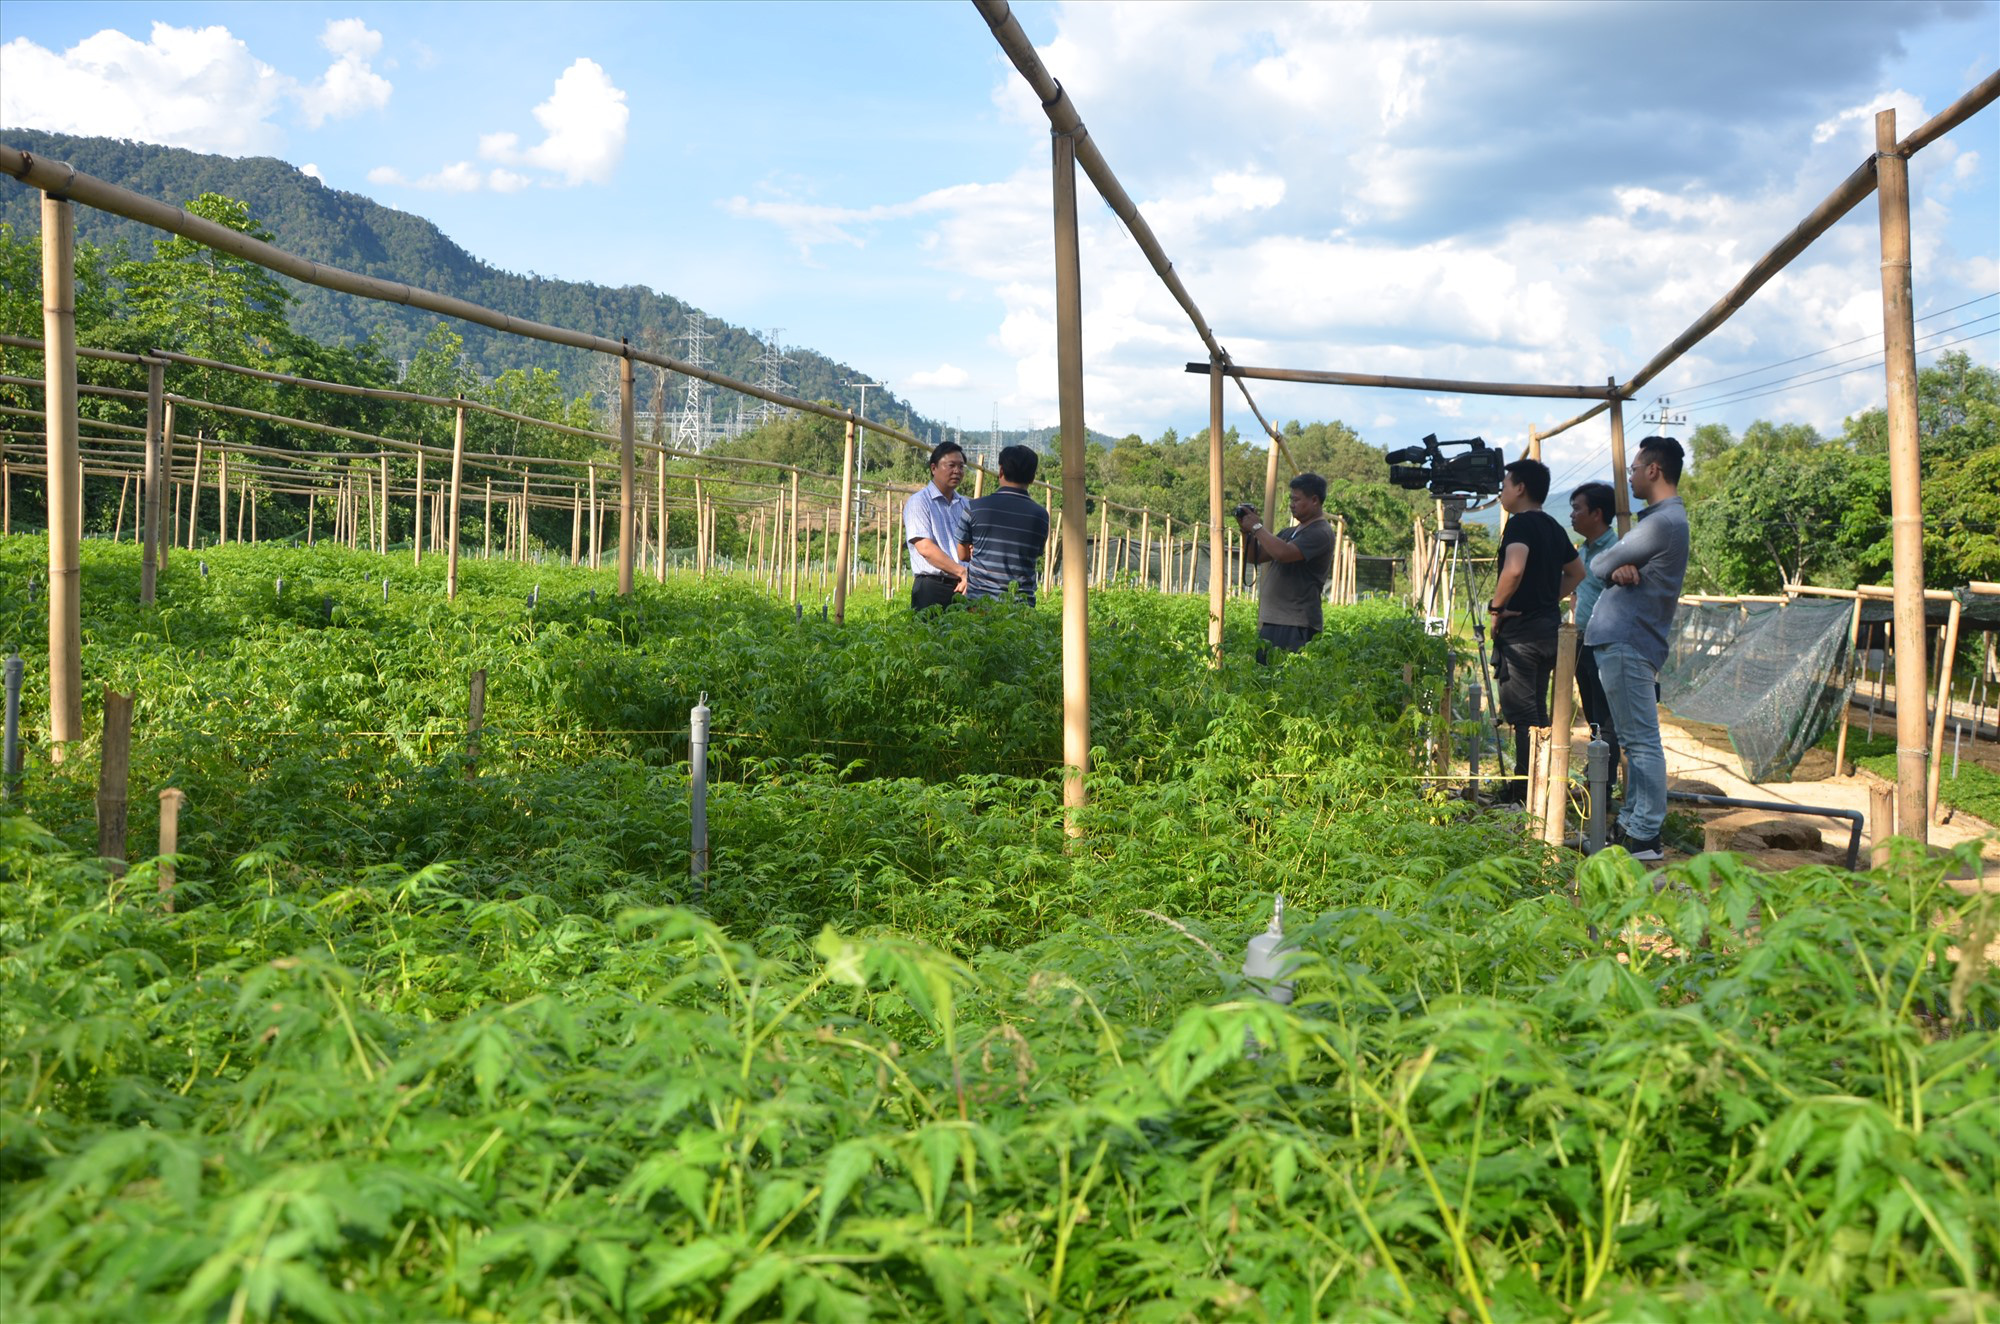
1596	454
1875	356
1845	344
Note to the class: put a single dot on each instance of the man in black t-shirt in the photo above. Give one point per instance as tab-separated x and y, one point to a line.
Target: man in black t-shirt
1538	569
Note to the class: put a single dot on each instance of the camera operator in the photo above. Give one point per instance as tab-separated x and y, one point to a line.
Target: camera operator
1299	559
1538	569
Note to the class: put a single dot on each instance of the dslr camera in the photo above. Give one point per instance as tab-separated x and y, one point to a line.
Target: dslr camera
1475	472
1243	508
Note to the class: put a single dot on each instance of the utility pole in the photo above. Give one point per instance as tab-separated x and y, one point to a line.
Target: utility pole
861	440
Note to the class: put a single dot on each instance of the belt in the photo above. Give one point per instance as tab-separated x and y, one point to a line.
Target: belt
932	574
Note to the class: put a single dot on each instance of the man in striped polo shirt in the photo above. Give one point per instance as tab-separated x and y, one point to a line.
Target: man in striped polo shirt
1000	537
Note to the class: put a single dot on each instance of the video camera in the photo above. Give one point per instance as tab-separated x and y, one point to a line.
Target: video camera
1475	473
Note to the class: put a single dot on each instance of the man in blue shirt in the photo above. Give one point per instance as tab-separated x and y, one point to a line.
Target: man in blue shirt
1629	628
930	529
1591	509
1000	537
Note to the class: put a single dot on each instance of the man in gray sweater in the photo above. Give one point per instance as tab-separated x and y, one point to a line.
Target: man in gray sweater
1628	631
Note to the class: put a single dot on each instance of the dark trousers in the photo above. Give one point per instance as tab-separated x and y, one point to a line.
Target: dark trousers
1596	710
1285	638
1522	668
932	591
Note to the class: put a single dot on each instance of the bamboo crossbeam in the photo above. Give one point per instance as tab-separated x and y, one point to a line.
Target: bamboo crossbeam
1439	384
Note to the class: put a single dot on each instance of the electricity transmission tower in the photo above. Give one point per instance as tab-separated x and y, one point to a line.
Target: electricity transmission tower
771	376
691	433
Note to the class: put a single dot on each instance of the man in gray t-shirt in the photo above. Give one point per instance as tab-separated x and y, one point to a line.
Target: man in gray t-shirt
1628	634
1296	564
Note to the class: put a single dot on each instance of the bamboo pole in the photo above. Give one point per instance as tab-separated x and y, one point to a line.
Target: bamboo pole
596	522
576	524
1840	768
1621	479
1905	476
171	800
457	476
525	530
1103	543
791	544
660	547
1145	572
63	484
194	490
1167	558
1555	817
841	557
222	494
627	421
486	547
382	542
118	525
417	516
114	777
1216	553
1444	385
1947	655
1075	532
156	410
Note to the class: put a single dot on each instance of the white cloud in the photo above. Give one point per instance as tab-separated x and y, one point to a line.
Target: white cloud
944	377
312	171
349	86
458	177
199	88
585	119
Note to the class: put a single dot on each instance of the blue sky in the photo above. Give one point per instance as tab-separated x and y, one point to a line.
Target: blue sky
1511	192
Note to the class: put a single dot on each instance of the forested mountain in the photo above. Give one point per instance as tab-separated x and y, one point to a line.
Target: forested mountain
351	231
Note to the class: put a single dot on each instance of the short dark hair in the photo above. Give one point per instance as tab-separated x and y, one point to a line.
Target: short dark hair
1598	497
1665	452
1019	463
1312	485
1533	475
944	448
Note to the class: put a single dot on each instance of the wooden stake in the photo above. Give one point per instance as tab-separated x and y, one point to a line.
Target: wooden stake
842	557
242	500
596	519
1881	821
113	777
1555	819
1216	551
525	529
149	554
575	524
382	543
486	547
627	545
171	800
222	496
417	517
1947	655
64	487
475	722
163	534
1840	766
118	525
791	543
1075	532
1892	191
660	548
1621	480
457	476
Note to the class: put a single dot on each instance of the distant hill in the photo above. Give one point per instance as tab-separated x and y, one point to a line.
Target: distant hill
358	233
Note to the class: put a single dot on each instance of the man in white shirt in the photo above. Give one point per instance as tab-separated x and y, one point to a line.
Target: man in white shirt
931	519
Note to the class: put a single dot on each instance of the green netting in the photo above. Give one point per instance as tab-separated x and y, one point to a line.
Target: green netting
1775	676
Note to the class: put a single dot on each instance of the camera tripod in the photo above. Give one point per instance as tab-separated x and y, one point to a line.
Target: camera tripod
1442	587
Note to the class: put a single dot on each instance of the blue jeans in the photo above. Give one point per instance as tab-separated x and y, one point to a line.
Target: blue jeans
1632	691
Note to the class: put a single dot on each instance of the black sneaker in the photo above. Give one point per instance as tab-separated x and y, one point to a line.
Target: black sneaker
1648	851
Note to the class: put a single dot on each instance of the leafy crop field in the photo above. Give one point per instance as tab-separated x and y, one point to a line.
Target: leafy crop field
423	1040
